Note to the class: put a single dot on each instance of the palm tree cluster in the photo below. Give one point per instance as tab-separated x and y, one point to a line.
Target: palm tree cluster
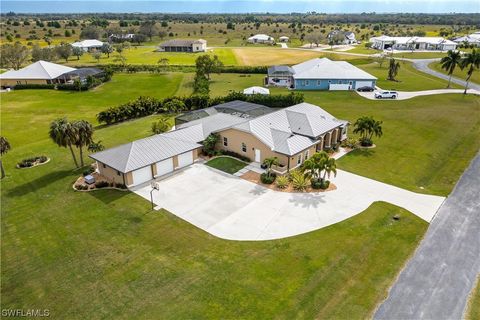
4	148
454	59
72	134
367	127
318	167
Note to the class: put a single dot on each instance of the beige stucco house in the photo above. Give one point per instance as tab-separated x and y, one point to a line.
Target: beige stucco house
291	134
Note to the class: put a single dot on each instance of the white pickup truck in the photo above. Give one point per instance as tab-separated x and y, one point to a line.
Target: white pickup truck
386	94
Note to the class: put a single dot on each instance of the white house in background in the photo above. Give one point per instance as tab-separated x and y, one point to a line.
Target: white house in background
256	90
473	38
88	45
284	39
412	43
348	37
261	38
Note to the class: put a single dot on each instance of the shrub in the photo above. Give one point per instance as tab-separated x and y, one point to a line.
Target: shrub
366	142
299	181
282	182
236	155
350	143
268	178
101	184
30	162
34	86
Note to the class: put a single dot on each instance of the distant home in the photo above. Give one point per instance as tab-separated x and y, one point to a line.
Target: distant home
471	39
291	134
178	45
82	74
283	39
261	38
40	72
256	90
412	43
320	74
345	37
88	45
116	37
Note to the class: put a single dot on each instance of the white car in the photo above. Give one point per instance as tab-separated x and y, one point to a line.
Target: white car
386	94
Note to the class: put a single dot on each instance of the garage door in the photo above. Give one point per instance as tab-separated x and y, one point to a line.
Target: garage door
164	167
185	159
142	175
359	84
339	86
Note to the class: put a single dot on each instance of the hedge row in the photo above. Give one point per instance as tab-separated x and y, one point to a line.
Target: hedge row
133	68
34	86
145	106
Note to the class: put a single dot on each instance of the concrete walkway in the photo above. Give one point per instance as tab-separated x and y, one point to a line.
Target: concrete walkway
232	208
404	95
422	65
438	279
283	45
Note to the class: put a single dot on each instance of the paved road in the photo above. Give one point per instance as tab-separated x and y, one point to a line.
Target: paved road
404	95
437	281
422	65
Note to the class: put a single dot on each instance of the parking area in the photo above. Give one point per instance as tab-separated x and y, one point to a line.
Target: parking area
404	95
232	208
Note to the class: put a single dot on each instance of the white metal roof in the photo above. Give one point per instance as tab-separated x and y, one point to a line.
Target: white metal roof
324	68
41	70
89	43
407	40
256	90
263	37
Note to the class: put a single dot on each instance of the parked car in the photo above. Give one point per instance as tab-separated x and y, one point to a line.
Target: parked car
365	89
386	94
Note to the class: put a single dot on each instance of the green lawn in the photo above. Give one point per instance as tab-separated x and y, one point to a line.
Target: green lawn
461	74
149	55
419	55
473	309
226	164
105	254
427	142
408	79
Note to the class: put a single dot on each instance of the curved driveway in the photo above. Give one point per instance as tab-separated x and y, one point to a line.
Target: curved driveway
437	281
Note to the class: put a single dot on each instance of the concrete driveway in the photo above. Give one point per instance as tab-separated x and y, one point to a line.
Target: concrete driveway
232	208
404	95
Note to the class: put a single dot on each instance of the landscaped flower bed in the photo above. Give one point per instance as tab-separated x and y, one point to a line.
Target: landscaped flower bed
32	162
287	187
100	183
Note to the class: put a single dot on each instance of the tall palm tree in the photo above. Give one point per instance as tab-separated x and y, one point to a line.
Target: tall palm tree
367	127
393	68
450	62
330	166
83	136
472	62
4	148
270	162
63	134
313	166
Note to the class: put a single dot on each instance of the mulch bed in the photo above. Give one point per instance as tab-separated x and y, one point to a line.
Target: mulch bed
255	178
80	184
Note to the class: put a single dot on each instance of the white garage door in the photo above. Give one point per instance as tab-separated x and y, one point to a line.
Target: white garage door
142	175
359	84
185	159
339	86
164	167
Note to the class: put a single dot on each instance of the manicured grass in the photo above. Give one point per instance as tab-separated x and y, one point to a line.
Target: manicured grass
226	164
419	55
149	55
408	78
427	142
473	308
459	73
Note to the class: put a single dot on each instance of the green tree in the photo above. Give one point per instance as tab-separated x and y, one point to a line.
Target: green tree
83	136
367	127
450	62
160	126
313	166
330	166
64	51
206	65
4	148
77	52
174	106
470	61
149	28
270	162
201	85
163	63
106	49
393	68
96	146
210	142
63	134
13	55
96	55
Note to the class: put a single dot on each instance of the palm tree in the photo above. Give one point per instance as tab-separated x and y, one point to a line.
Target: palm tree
96	146
313	166
450	62
270	162
393	69
472	62
367	127
4	148
330	166
63	134
83	136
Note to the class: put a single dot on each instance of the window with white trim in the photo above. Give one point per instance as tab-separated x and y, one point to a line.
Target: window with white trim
225	141
306	154
307	82
299	159
244	147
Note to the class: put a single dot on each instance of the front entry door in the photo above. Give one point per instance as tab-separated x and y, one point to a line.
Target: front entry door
257	155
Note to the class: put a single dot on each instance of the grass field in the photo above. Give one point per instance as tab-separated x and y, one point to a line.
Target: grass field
409	78
461	74
226	164
105	254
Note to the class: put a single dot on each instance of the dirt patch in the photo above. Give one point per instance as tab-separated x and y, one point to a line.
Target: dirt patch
255	178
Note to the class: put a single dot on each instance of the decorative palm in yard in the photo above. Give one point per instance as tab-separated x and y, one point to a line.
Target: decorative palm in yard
450	62
367	127
63	134
83	136
4	148
319	163
471	61
393	68
270	162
